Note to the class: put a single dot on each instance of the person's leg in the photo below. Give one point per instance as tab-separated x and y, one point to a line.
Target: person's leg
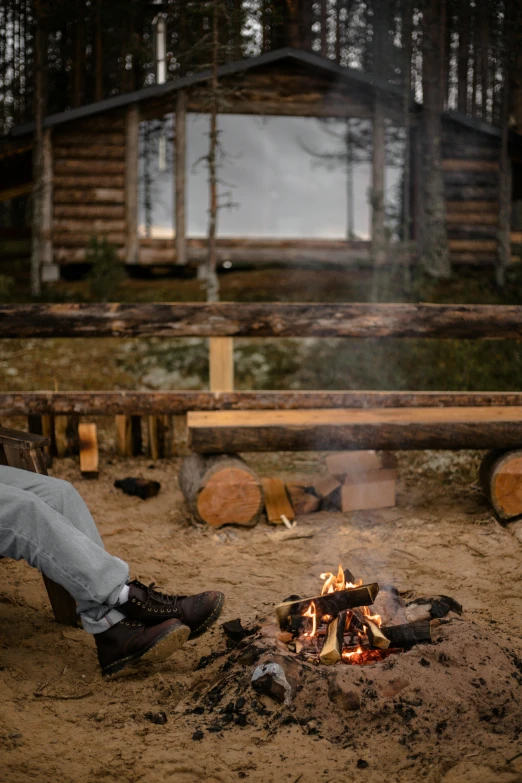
32	530
59	494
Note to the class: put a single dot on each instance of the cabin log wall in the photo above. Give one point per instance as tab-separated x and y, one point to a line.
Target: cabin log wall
89	193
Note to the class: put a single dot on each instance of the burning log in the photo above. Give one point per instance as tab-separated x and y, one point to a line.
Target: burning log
375	636
329	603
333	647
221	490
408	635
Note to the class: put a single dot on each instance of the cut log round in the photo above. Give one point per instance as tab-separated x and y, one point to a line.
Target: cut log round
221	490
501	480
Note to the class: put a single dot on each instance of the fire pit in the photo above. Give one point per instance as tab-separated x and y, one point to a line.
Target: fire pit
342	624
354	648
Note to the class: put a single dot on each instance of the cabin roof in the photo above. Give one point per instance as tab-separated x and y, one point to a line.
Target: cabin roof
309	60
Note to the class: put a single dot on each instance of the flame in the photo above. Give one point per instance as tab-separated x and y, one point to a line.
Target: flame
312	612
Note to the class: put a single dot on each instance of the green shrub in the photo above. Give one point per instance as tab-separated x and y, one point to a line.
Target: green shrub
106	270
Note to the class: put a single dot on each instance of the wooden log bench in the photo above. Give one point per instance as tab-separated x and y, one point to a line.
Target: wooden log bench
478	427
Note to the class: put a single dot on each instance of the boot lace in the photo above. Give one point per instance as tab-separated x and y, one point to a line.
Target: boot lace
155	596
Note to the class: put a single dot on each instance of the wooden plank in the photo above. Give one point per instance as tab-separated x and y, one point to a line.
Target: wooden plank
221	364
464	219
516	237
473	245
89	457
6	194
180	176
484	207
71	255
177	403
277	503
103	168
461	164
81	181
77	240
131	184
95	226
317	430
263	319
124	435
114	211
99	136
92	152
25	440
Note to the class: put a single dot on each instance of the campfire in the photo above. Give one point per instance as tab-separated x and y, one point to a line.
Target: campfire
341	625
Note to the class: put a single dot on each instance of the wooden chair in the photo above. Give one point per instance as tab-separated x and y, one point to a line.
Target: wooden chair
26	451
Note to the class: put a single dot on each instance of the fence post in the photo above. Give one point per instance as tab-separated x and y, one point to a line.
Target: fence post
221	363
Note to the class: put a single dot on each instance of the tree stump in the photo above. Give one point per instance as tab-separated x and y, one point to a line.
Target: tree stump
501	479
221	490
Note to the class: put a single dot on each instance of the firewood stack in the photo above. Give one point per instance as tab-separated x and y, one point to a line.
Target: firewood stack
356	481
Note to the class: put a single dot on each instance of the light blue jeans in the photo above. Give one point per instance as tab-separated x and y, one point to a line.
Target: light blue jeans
44	521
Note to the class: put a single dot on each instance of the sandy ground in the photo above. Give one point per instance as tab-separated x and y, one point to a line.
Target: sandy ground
448	712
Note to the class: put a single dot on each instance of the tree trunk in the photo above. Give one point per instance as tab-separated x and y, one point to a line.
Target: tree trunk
484	56
209	274
98	55
40	44
435	258
221	490
505	183
180	164
377	195
79	59
323	20
463	56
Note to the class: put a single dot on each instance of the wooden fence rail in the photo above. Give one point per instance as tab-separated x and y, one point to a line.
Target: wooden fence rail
231	319
173	403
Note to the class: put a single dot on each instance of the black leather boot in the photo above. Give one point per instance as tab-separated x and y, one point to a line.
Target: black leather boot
150	606
129	641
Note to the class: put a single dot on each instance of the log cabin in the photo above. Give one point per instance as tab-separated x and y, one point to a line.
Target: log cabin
310	147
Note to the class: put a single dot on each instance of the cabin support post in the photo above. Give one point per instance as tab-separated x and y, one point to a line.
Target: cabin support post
50	272
377	198
131	184
180	176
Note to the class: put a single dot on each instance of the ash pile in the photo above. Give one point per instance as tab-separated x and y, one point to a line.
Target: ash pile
356	662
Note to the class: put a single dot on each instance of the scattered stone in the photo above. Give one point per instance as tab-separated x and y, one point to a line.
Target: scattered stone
393	687
424	662
156	717
139	487
270	678
343	697
362	764
198	735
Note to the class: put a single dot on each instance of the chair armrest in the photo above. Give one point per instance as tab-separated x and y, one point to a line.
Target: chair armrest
24	440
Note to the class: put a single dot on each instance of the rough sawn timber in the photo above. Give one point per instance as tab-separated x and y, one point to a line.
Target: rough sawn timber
232	319
148	403
353	429
221	490
501	479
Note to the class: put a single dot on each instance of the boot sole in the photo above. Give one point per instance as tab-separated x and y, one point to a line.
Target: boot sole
211	619
160	649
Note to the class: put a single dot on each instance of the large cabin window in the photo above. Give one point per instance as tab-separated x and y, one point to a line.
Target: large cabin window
280	177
